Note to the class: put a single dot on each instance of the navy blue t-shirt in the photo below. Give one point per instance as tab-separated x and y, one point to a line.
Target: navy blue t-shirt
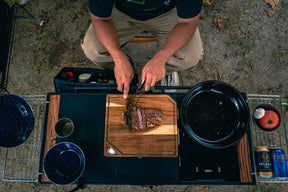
145	9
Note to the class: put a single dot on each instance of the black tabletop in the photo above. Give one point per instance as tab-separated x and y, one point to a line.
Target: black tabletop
87	111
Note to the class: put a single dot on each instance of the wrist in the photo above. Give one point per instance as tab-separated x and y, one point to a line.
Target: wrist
118	56
117	53
161	57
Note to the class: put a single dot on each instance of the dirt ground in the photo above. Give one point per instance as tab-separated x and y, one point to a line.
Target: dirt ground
248	51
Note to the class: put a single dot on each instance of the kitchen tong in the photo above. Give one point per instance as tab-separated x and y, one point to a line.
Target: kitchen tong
139	91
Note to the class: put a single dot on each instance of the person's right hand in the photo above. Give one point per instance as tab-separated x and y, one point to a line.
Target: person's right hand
124	73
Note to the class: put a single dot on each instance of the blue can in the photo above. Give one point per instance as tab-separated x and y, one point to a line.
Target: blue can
278	163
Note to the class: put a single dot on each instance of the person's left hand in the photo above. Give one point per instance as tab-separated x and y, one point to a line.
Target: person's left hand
152	72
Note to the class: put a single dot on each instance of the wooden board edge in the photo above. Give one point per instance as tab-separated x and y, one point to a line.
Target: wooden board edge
106	124
154	156
128	155
176	126
245	165
108	145
144	95
53	112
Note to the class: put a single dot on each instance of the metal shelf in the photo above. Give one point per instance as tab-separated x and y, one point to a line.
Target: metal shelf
21	163
274	139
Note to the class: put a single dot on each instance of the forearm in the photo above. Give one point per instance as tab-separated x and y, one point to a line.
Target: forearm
106	33
178	37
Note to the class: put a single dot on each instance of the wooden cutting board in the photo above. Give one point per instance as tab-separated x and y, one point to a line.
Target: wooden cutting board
161	141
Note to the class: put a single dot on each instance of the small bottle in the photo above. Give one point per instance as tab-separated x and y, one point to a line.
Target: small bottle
263	162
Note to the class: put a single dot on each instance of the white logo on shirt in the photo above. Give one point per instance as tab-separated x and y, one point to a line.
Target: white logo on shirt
167	2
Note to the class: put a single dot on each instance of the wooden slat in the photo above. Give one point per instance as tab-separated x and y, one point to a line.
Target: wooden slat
143	39
52	118
160	141
244	160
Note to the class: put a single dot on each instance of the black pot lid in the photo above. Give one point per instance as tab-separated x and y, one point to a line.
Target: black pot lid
16	120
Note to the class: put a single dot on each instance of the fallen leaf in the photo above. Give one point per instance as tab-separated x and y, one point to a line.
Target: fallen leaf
189	188
39	30
273	4
207	2
219	74
245	68
270	91
202	188
218	22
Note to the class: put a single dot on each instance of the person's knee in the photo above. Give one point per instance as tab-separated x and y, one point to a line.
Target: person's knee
91	45
192	52
87	51
186	62
194	59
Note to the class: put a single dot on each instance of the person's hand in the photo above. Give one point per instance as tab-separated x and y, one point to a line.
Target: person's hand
124	73
152	72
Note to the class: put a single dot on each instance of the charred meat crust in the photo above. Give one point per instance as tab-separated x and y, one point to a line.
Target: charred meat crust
141	119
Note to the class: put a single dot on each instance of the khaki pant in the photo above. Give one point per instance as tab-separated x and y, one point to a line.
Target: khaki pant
159	27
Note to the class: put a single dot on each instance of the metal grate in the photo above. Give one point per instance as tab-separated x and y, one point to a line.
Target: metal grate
21	163
276	139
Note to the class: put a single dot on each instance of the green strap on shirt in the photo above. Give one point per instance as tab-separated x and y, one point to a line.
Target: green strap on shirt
141	2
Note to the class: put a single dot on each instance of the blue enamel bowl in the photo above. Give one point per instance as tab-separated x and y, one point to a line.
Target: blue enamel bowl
64	163
16	120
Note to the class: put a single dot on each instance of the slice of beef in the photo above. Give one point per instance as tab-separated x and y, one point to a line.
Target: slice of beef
141	119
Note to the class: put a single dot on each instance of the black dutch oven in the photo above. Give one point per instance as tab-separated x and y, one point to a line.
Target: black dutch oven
215	114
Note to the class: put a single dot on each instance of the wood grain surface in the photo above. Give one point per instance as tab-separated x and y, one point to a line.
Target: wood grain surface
245	165
160	141
52	118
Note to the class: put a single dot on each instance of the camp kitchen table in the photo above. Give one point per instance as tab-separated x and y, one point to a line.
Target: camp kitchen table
193	165
88	112
24	163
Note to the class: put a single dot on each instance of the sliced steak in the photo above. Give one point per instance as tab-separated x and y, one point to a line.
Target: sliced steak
140	119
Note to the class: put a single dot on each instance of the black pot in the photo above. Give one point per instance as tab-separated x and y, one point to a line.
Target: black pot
215	114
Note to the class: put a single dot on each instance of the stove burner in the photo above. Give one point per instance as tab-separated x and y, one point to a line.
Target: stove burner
202	163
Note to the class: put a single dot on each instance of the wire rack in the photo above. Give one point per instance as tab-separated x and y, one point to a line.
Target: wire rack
276	139
21	163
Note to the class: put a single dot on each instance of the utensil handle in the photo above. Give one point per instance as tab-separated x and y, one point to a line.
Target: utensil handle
137	100
131	100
